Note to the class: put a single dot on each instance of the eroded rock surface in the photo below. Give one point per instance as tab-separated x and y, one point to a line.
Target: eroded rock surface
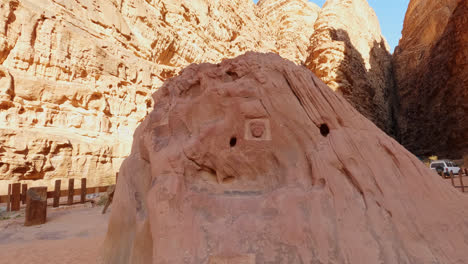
348	52
431	70
76	76
255	160
291	23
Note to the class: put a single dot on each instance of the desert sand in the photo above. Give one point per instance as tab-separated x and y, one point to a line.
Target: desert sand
72	235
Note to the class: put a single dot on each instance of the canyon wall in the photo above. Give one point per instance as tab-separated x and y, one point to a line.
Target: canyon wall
348	52
292	25
431	71
76	76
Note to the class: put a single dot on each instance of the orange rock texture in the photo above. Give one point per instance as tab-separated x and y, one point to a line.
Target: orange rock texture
291	23
256	160
76	75
348	52
431	70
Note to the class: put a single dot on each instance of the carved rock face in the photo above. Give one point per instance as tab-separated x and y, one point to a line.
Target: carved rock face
83	71
255	160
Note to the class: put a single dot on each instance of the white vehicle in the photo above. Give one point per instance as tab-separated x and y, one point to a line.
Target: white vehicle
446	166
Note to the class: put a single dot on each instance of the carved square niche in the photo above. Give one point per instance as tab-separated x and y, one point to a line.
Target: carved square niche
257	129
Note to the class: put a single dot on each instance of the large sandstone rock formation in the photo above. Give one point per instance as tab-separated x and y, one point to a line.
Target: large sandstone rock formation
76	76
348	52
291	23
255	160
431	69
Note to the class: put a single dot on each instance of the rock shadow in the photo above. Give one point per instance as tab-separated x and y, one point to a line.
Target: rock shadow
434	102
371	89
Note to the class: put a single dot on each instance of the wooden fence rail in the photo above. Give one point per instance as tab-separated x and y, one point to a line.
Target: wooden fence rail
460	177
17	194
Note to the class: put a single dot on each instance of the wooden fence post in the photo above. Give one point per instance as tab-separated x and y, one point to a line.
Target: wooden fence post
460	175
110	196
9	198
83	190
57	194
36	206
24	189
451	177
71	191
15	196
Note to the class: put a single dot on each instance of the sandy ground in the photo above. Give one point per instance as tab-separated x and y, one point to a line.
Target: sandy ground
71	235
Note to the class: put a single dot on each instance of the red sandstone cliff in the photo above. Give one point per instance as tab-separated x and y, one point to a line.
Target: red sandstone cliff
255	161
348	52
431	70
76	76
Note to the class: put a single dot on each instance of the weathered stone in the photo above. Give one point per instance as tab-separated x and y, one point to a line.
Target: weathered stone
36	206
322	184
291	23
348	52
76	76
15	196
431	69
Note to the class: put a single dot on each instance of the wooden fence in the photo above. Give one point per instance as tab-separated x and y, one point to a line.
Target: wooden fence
460	185
17	194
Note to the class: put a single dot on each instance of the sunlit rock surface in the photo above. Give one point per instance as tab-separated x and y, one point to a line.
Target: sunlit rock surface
291	22
348	52
255	160
76	76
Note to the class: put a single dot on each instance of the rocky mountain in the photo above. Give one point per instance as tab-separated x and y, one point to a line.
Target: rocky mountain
431	71
255	160
348	52
291	23
76	75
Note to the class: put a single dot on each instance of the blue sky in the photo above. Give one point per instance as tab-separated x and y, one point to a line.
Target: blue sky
391	15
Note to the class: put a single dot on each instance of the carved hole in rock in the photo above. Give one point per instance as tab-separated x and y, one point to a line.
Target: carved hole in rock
324	130
232	74
321	182
233	141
